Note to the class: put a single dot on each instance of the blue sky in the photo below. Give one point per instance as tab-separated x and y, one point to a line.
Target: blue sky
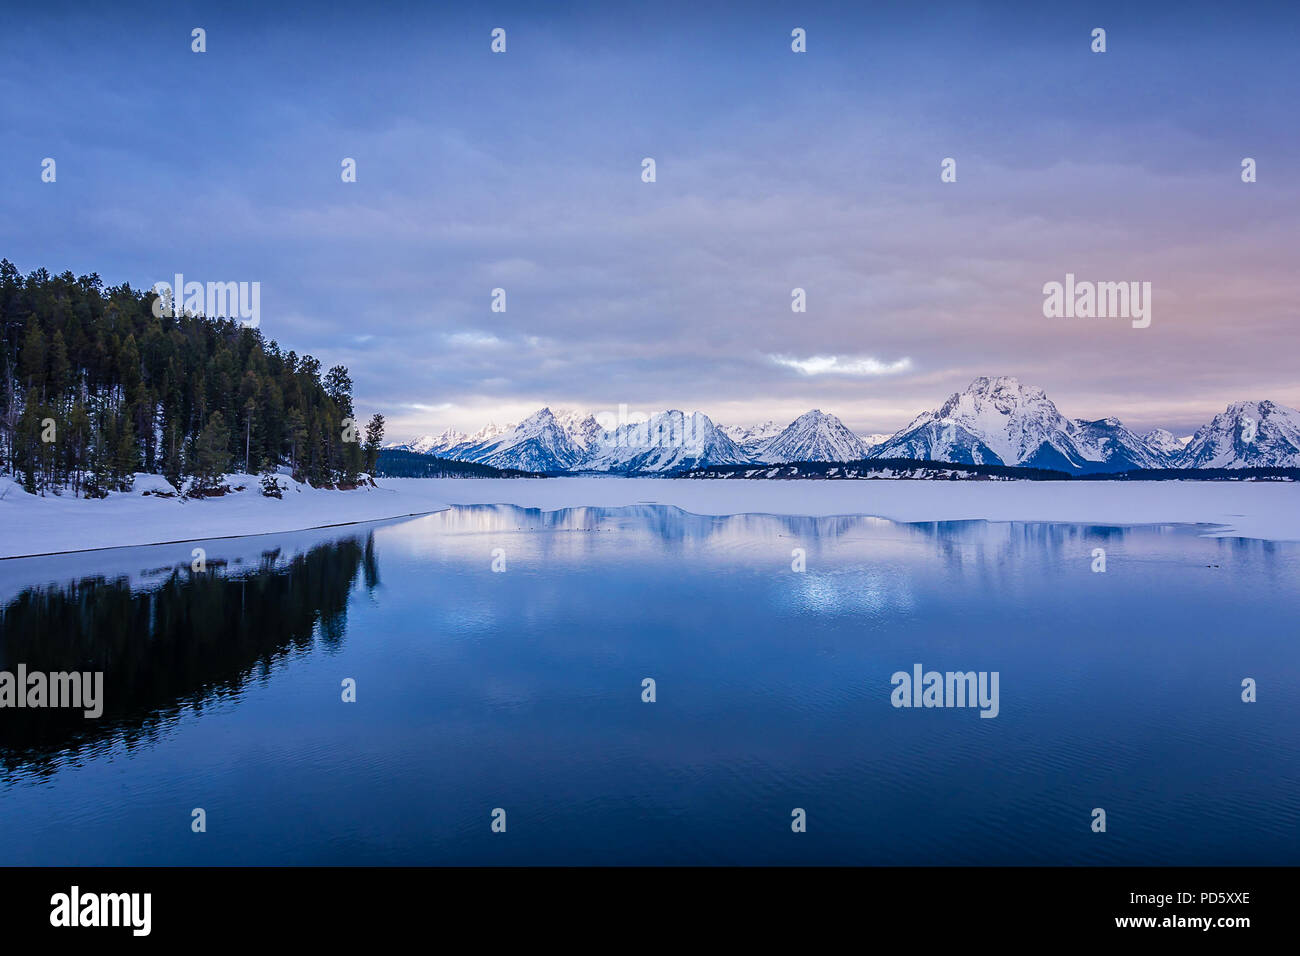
775	170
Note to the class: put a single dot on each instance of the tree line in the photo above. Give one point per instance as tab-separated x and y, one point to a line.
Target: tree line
95	387
398	463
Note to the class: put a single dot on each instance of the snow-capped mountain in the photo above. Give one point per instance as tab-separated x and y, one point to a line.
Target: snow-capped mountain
538	443
487	434
447	438
581	427
451	443
995	421
929	439
666	442
429	444
1106	442
1165	443
999	421
813	436
472	447
1247	435
750	437
433	444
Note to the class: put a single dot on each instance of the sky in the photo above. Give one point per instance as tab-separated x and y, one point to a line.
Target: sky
775	170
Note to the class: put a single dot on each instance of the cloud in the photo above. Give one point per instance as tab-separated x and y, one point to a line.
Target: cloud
473	339
506	270
835	365
677	294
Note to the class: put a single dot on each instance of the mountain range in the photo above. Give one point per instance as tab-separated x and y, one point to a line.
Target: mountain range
994	421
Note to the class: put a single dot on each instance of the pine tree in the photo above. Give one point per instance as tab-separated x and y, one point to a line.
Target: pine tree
31	365
374	438
27	441
213	453
60	369
125	459
129	390
75	440
173	458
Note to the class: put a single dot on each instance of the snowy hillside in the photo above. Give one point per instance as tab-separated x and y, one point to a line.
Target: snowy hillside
432	444
1107	442
813	436
750	437
666	442
994	421
1247	435
538	443
581	427
1000	421
1165	442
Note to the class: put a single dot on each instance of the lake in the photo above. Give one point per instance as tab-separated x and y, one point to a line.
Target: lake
521	689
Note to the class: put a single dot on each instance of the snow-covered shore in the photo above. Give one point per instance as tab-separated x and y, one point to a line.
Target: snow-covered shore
33	525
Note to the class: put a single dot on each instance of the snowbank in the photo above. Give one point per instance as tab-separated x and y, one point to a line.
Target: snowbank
146	484
30	524
143	570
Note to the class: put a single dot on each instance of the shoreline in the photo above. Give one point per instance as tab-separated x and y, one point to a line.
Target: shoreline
35	527
38	527
218	537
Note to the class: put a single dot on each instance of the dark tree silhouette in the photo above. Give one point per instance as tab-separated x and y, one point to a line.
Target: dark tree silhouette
119	389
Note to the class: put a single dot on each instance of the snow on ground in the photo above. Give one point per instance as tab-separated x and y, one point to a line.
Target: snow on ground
146	484
146	569
33	525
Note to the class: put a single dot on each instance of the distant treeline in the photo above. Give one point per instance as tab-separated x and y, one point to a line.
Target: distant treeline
398	463
1199	474
866	467
94	387
904	467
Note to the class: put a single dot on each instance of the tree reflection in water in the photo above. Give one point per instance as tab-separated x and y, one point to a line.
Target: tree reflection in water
188	640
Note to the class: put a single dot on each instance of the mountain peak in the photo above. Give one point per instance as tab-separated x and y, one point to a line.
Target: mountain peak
1165	442
750	437
813	436
994	420
1000	420
1005	387
582	428
1247	434
668	441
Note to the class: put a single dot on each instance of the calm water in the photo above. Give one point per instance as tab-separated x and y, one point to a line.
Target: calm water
522	690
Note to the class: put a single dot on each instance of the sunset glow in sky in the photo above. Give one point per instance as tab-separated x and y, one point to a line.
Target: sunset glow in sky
775	170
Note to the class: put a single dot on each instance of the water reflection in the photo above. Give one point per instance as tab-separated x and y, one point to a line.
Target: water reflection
523	690
184	639
168	638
